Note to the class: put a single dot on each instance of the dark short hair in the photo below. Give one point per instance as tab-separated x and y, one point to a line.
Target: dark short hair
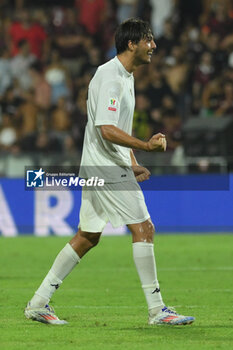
133	29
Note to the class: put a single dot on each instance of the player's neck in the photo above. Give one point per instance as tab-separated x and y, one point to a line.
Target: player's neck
127	61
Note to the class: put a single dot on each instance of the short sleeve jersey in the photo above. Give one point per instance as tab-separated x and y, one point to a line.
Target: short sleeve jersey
111	101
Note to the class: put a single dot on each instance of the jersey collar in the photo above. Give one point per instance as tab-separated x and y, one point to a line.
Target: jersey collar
122	68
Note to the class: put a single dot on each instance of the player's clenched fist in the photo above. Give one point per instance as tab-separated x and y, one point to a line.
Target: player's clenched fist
141	173
157	143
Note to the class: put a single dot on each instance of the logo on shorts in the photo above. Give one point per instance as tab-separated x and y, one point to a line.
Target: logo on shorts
112	106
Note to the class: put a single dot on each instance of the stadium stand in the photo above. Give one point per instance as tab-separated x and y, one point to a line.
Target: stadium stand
49	51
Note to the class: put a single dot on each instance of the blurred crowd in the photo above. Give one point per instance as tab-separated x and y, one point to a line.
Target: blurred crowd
49	51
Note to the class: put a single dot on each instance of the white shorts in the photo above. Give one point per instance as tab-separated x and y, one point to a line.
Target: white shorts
116	204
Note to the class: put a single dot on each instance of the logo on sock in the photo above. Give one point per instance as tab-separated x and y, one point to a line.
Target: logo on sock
55	285
157	290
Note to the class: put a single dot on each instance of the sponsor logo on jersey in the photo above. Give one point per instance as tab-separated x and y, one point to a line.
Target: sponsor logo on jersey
112	106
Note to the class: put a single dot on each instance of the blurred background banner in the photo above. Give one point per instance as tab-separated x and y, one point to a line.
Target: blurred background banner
40	212
49	51
56	212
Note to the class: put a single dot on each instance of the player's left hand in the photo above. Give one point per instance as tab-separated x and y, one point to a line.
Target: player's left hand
141	173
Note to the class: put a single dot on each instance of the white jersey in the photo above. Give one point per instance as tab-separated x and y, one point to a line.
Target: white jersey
110	101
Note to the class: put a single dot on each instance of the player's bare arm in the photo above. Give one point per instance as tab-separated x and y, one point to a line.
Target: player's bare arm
141	173
133	158
115	135
156	143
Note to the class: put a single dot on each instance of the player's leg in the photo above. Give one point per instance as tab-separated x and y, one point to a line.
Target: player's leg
91	218
84	241
64	263
143	252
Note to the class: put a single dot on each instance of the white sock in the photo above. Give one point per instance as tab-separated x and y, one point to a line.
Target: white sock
64	263
144	259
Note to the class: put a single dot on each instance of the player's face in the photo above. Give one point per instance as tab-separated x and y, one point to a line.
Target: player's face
144	50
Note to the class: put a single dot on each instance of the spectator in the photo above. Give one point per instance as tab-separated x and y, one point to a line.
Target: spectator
20	65
42	95
176	70
142	79
126	9
93	60
10	102
168	104
5	71
156	121
144	10
194	45
28	115
189	12
109	26
8	135
141	126
219	56
111	49
58	78
158	88
172	129
28	122
211	97
91	14
69	148
60	118
161	10
68	38
226	103
45	144
205	69
41	87
79	118
219	21
191	71
203	74
167	40
25	29
210	5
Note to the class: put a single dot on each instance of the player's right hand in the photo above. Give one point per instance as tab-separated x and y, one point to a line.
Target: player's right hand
141	173
157	143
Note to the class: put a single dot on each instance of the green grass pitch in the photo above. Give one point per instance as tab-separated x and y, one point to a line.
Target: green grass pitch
103	301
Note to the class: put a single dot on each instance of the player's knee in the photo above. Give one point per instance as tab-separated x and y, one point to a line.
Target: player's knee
150	228
93	238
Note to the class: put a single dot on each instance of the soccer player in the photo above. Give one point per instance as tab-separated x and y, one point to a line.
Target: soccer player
108	143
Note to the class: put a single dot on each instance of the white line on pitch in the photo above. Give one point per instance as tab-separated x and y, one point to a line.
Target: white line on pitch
121	307
127	307
221	268
214	290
